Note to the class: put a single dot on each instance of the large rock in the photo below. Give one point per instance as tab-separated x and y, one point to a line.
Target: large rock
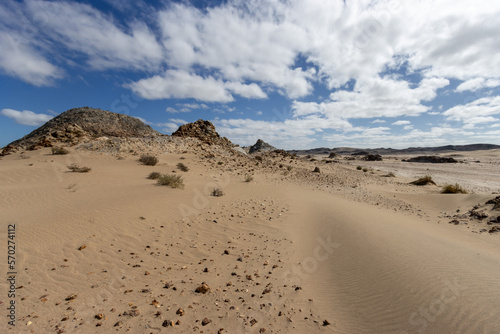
434	159
204	131
82	124
261	146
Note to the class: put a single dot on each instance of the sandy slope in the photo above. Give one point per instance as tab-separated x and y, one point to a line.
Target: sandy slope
280	254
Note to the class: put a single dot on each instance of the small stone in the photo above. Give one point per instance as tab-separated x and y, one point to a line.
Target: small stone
82	247
168	323
326	323
180	312
99	316
253	322
203	288
226	252
71	297
119	323
206	321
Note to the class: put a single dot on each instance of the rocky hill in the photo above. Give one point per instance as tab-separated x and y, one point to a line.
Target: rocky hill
261	146
79	125
204	131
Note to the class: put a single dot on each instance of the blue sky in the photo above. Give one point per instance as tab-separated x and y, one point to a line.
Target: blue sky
296	73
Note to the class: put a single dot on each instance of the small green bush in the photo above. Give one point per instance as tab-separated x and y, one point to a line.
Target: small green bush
258	158
220	163
359	168
77	169
453	189
154	176
149	160
316	170
217	192
59	151
182	167
365	169
423	181
173	181
248	178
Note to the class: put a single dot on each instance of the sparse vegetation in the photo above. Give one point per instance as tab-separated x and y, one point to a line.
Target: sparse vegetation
59	151
289	168
173	181
365	170
453	189
154	176
182	158
258	158
148	160
248	178
316	170
77	169
182	167
217	192
423	181
359	168
390	174
220	163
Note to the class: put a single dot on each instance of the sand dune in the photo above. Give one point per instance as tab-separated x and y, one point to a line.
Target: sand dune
293	251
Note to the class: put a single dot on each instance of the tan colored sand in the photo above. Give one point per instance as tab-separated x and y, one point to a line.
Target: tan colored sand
280	254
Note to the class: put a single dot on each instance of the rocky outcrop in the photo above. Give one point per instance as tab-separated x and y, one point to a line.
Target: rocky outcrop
434	159
261	146
80	125
204	131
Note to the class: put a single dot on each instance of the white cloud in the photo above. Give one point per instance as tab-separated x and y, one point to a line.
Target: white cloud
82	28
401	123
181	84
20	60
408	127
251	91
378	121
375	97
26	117
477	83
478	111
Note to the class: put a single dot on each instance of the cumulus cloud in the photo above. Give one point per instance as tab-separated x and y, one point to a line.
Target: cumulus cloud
26	117
375	97
478	111
401	123
476	84
182	84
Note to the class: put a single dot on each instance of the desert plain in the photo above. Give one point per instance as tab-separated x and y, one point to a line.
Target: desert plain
285	249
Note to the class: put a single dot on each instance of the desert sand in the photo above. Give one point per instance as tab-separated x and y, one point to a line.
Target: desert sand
291	251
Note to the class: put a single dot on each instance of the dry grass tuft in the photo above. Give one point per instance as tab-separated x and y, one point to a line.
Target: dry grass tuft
173	181
59	151
423	181
154	176
453	189
149	160
217	192
182	167
77	169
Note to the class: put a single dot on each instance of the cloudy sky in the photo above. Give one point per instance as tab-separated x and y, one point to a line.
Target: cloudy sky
296	73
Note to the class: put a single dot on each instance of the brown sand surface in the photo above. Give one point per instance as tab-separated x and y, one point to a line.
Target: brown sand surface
282	253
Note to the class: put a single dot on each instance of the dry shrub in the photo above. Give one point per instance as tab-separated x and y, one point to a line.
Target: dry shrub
173	181
423	181
149	160
453	189
77	169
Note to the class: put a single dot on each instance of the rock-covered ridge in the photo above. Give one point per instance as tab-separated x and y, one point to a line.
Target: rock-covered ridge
261	146
204	131
82	124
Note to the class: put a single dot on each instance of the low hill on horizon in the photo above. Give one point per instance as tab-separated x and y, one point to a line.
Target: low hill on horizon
387	151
